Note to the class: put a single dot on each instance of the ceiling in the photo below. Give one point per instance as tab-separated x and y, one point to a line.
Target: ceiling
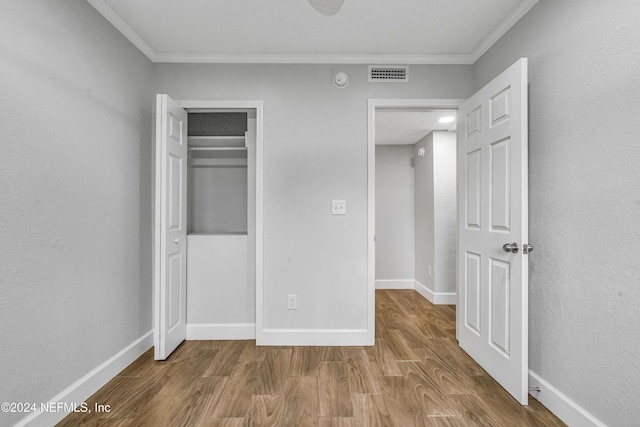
403	127
291	31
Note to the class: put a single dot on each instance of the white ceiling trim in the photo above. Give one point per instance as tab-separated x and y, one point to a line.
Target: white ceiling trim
154	56
501	29
311	59
123	27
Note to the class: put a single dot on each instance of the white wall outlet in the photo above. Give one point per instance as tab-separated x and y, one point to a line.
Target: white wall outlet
429	270
338	207
292	302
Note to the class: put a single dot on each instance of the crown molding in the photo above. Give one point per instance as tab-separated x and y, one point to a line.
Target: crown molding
461	59
502	28
311	59
123	27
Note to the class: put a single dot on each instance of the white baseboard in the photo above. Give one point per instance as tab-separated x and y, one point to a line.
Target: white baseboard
446	298
424	291
561	406
86	386
315	337
437	298
394	284
219	331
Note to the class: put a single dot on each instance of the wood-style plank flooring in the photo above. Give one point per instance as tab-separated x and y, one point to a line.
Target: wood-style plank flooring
415	375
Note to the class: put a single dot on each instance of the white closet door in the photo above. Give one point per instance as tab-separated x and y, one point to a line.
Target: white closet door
171	227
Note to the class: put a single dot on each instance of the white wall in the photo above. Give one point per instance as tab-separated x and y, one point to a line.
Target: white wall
446	212
584	203
436	215
75	179
217	199
395	216
424	214
315	150
218	296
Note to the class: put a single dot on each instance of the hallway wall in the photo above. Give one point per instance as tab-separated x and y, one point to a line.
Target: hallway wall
436	216
395	216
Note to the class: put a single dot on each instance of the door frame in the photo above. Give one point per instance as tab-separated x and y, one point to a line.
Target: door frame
218	105
449	104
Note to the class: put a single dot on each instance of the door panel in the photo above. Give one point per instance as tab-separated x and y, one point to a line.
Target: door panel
473	189
473	119
175	303
171	227
500	191
175	193
472	292
499	291
499	104
492	194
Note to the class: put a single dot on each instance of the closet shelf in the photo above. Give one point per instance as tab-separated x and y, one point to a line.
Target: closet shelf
217	141
218	148
217	138
217	233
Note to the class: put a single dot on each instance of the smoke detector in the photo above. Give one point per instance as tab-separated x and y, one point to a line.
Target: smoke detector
341	80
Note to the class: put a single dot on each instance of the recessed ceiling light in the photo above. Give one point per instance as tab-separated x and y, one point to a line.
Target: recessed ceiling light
447	119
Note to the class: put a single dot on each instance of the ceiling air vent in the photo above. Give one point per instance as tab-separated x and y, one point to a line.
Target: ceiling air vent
389	73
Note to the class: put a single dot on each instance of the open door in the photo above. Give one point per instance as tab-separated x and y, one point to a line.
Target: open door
493	229
170	234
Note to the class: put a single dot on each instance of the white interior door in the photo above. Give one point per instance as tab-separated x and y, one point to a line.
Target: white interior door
492	200
170	227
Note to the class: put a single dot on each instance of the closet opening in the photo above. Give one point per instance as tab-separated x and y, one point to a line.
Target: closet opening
221	216
207	222
217	176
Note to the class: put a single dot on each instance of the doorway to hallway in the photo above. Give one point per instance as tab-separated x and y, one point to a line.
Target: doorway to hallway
415	192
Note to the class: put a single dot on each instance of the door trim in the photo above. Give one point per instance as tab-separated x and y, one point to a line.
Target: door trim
258	106
373	104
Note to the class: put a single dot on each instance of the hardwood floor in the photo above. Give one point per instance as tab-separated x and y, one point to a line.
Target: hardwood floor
415	375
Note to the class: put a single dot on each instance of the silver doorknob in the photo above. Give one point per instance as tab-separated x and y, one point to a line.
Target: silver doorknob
527	248
176	241
511	247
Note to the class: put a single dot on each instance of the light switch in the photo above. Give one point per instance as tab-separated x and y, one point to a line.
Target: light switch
338	207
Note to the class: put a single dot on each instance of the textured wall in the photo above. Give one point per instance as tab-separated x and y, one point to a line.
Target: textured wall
584	197
315	150
217	124
395	216
75	180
